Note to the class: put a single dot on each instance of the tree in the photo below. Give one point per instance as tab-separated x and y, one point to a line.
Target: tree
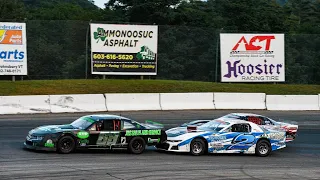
144	11
12	10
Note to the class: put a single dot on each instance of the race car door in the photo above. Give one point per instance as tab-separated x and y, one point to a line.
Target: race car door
242	137
105	133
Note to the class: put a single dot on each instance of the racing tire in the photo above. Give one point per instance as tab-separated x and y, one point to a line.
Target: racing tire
197	147
66	145
137	145
263	148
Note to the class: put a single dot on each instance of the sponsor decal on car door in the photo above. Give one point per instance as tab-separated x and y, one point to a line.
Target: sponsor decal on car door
108	138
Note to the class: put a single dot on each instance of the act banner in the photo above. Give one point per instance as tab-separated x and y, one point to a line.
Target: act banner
13	49
252	57
118	49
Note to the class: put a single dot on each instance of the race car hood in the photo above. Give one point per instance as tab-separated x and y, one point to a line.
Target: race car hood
52	129
174	132
181	131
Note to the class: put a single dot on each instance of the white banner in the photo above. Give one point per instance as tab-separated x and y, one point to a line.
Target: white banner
252	57
118	49
13	49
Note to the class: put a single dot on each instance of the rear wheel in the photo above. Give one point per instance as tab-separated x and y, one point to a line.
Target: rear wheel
66	145
197	147
137	145
263	148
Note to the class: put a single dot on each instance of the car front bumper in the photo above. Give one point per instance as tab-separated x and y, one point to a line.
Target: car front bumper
173	147
38	145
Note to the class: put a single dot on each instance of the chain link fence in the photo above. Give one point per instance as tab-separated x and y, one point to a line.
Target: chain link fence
61	50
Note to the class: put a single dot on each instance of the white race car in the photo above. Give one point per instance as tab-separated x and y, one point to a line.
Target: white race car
266	122
224	136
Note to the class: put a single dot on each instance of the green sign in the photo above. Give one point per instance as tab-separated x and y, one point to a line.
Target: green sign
143	132
83	134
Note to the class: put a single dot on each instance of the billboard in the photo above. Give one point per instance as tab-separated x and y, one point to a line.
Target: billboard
252	57
124	49
13	49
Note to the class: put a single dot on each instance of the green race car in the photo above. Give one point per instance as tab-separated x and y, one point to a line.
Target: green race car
96	131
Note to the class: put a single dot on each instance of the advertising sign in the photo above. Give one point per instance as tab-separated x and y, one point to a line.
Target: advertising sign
252	57
13	49
124	49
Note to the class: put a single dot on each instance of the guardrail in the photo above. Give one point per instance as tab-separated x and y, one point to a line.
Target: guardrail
31	104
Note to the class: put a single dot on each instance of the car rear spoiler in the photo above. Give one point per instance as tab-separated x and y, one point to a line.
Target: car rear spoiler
149	122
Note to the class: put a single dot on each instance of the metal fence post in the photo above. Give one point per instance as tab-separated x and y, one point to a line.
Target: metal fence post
217	54
86	71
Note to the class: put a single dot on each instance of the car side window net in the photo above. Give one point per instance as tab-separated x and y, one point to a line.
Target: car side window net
111	125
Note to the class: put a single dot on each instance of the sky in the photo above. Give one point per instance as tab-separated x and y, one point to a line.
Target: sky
100	3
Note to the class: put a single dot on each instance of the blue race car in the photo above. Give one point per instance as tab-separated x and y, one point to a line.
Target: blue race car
224	136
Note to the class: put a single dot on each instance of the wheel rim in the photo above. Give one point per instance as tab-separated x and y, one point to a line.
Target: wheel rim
197	148
263	148
137	145
66	144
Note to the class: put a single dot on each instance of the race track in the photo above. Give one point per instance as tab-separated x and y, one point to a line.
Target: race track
300	160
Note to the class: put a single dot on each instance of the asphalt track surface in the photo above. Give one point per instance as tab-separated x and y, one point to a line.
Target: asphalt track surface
299	160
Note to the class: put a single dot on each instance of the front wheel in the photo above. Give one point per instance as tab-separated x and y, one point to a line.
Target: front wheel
66	145
263	148
197	147
137	145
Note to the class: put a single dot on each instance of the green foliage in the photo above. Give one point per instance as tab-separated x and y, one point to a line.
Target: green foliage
12	10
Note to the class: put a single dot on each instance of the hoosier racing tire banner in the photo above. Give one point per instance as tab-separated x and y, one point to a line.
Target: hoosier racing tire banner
124	49
252	57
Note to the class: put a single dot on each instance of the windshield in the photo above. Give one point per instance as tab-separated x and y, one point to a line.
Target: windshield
188	123
82	123
214	125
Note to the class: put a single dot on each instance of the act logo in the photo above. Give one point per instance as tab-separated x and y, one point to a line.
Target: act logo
256	43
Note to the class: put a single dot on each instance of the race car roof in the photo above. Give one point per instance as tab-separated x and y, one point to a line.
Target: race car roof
97	117
231	120
244	114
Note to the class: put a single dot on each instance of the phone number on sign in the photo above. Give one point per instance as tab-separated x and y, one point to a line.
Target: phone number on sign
10	71
113	56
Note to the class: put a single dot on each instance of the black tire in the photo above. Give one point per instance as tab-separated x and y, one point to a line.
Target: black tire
197	147
137	145
66	145
263	148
